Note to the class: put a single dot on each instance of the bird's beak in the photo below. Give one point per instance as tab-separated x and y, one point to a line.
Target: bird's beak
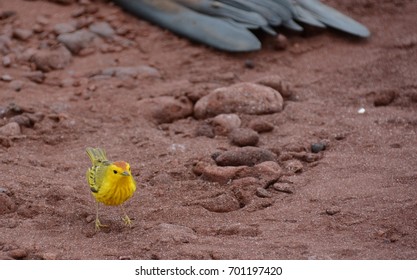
125	173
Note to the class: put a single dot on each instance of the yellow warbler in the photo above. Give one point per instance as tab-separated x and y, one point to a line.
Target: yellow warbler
111	183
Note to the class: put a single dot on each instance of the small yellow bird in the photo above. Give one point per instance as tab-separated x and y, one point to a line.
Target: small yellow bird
111	183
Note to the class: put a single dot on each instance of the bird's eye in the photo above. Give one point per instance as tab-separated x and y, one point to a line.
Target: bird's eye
114	171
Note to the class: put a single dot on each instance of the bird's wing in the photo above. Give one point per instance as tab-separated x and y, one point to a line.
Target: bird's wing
225	24
213	31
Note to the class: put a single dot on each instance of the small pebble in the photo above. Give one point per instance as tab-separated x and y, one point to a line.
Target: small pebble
6	78
249	64
263	193
90	218
10	129
283	187
248	156
6	61
294	166
317	147
225	123
281	42
384	98
333	211
261	126
17	254
22	34
244	137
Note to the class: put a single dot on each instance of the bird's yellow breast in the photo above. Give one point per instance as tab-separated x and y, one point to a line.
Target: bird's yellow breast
116	191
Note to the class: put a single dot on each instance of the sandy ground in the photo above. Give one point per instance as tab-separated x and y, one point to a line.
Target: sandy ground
357	199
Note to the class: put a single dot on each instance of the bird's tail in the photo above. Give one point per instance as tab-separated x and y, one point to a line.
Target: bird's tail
96	155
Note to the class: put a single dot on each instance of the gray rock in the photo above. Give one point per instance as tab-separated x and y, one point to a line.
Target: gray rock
244	137
223	124
64	27
263	193
165	109
248	156
52	59
10	129
246	98
16	85
78	40
131	71
102	29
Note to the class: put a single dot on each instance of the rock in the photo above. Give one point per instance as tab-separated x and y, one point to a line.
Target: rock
131	71
22	120
52	59
283	187
7	14
7	205
5	44
218	174
384	98
10	129
248	156
6	61
261	126
205	130
317	147
333	210
102	29
22	34
263	193
278	83
16	85
36	76
17	254
171	232
225	123
64	27
294	166
165	109
244	137
267	170
6	78
281	42
222	203
246	98
78	40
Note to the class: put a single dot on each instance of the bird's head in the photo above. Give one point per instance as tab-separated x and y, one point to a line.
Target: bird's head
120	168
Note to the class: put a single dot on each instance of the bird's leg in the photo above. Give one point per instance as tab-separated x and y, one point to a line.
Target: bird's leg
125	217
98	224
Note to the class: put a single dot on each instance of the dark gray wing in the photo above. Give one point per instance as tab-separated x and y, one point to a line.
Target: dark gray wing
226	24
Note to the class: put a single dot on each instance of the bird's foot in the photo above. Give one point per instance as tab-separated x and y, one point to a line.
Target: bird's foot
127	221
99	225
